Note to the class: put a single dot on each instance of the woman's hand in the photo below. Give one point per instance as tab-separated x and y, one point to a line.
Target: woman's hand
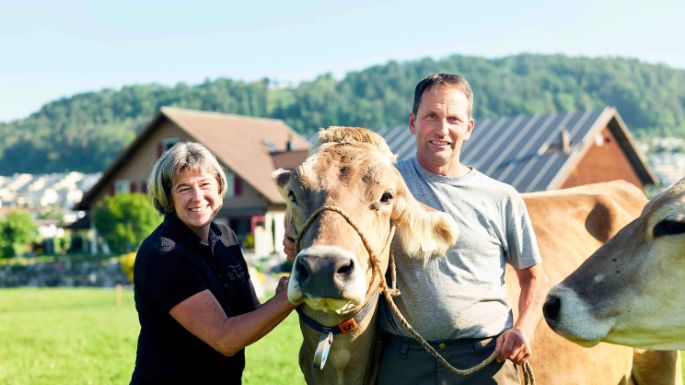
289	246
282	285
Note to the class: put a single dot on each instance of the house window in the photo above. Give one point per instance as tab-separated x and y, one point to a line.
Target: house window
237	186
167	143
230	184
122	186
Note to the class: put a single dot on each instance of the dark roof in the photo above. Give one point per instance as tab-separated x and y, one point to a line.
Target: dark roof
526	151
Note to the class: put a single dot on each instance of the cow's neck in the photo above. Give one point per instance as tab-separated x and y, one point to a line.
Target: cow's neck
352	357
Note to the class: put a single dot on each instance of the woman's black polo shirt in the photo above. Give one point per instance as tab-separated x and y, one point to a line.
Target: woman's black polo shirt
172	265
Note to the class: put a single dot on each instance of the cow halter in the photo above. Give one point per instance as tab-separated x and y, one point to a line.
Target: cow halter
350	324
326	340
375	261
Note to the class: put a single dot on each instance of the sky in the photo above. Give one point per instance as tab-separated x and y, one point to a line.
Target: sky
53	49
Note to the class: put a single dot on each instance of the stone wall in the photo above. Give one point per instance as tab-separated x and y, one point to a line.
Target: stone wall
66	274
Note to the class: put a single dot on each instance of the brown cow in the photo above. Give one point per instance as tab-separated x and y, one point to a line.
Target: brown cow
351	169
630	291
570	224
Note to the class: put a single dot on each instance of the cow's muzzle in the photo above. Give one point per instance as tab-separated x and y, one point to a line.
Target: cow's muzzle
570	316
328	273
326	277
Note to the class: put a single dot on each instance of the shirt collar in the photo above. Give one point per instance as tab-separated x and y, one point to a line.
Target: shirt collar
182	233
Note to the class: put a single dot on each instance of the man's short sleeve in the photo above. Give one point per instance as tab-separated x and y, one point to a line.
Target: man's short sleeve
170	278
523	246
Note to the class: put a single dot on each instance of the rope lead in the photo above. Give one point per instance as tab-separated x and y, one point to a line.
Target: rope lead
389	293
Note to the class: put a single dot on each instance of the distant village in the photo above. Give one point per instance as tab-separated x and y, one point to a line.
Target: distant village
50	197
666	156
36	191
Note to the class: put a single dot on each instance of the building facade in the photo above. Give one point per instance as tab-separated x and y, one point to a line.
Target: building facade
250	150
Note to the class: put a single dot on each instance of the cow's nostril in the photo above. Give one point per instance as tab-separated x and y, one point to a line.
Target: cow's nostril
346	269
301	270
551	307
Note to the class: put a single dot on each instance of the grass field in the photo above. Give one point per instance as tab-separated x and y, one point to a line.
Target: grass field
80	336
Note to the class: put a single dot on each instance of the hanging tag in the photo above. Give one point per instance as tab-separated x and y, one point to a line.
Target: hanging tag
322	349
348	326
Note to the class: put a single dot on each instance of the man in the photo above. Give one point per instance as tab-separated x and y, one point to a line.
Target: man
458	302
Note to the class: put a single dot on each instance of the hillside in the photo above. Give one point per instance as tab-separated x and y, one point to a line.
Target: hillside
85	132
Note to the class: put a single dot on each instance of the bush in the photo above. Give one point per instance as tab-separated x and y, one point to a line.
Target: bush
17	232
124	220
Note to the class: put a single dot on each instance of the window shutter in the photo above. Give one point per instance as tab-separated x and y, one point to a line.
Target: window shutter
133	187
111	189
237	186
160	149
143	187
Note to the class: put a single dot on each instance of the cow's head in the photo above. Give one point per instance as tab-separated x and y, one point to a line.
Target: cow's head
353	169
631	291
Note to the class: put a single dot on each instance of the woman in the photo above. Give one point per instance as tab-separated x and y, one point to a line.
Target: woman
196	305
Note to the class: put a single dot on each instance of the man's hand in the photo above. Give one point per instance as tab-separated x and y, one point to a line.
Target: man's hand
513	345
289	246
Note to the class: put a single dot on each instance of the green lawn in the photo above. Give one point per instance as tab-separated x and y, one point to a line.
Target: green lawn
80	336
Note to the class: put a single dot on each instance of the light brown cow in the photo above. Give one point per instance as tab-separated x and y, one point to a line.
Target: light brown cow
630	291
351	169
570	224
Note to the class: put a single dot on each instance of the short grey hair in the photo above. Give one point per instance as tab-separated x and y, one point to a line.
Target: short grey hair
182	157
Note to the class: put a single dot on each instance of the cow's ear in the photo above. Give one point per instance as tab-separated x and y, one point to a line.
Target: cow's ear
422	231
281	177
603	220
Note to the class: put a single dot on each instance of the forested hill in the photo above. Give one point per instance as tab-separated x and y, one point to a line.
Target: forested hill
86	132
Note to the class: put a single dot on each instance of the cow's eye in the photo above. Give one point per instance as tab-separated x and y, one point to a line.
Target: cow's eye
291	196
386	198
668	227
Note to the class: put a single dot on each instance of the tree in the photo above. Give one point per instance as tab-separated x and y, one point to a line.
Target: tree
17	231
124	220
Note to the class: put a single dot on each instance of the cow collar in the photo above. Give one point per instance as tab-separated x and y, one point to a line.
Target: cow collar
347	326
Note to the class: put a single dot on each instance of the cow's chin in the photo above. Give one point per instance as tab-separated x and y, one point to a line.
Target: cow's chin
648	335
581	342
331	305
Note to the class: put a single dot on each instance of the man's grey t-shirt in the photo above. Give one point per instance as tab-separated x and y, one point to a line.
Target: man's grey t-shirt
462	294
